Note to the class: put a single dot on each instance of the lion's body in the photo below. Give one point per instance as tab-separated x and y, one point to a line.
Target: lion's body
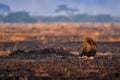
89	48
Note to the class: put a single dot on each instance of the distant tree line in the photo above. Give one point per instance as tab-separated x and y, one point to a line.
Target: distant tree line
22	16
17	17
79	18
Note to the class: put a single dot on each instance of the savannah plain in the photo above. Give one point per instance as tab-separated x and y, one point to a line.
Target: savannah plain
42	51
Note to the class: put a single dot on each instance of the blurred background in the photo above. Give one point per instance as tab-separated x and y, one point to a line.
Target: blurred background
59	11
22	20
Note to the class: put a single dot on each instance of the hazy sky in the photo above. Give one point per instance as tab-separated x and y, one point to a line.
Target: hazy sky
47	7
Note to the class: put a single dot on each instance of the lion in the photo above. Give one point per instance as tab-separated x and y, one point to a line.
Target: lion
89	48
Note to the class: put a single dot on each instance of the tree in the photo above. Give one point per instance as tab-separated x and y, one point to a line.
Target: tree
4	9
19	17
69	11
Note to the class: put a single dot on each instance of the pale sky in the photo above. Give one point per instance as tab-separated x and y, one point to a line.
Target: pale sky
47	7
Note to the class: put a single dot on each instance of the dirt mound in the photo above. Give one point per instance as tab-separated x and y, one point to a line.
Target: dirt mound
43	53
17	52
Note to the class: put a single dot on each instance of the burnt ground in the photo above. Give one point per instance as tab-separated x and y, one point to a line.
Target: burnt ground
51	60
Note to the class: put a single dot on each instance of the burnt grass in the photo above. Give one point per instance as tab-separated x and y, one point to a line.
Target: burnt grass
33	60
